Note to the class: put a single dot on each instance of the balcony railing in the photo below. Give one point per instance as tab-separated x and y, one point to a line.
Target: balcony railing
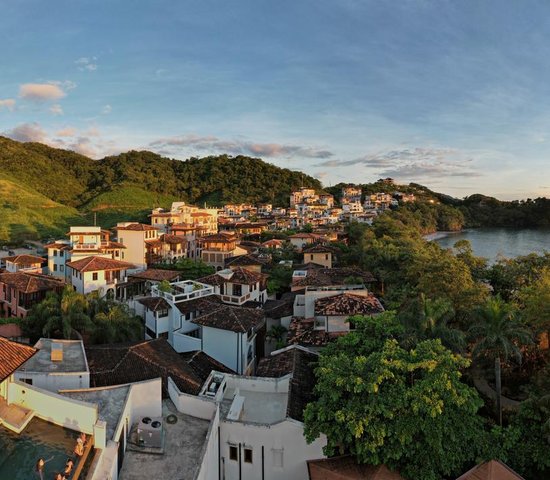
183	291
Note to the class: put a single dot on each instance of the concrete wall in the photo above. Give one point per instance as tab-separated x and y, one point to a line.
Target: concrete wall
54	408
209	469
284	439
199	407
56	381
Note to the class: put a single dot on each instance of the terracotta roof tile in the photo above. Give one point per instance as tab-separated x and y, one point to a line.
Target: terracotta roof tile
30	282
203	364
243	261
234	319
12	356
125	363
156	274
154	304
348	304
492	470
24	259
96	263
240	276
301	331
347	468
136	227
300	363
324	277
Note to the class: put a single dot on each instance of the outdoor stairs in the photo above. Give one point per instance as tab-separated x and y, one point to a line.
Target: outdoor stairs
14	417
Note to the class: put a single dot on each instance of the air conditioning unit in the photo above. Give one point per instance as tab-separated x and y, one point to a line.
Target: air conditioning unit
149	432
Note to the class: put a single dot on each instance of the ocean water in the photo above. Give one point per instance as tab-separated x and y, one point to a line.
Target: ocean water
493	243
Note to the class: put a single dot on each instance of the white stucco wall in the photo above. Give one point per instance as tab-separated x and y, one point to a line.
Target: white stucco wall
56	381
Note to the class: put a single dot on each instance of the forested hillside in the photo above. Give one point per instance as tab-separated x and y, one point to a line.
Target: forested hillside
123	187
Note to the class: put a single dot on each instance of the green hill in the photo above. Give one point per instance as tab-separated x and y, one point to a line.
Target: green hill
71	187
27	214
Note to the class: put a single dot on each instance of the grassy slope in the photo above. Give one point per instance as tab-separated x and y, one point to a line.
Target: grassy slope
27	214
124	203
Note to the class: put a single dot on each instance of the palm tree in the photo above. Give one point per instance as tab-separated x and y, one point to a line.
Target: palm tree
70	317
277	333
118	324
33	324
498	334
432	321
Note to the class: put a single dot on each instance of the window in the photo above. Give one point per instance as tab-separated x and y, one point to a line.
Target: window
94	276
150	332
326	256
278	457
61	253
61	268
233	453
122	254
247	455
55	267
163	313
311	256
237	290
28	381
55	253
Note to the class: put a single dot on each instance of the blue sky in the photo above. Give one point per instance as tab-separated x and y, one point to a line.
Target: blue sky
451	94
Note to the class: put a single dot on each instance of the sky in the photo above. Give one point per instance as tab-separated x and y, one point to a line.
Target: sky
451	94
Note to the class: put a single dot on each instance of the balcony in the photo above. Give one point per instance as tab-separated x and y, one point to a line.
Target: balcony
183	291
88	246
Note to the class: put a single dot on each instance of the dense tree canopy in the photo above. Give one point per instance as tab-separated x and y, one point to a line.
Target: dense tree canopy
407	408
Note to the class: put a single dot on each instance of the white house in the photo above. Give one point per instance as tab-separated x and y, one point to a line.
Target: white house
259	419
97	273
238	285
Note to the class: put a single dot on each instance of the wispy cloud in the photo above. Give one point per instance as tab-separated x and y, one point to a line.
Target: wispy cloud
8	104
41	92
66	132
86	64
106	109
414	163
56	109
238	147
28	132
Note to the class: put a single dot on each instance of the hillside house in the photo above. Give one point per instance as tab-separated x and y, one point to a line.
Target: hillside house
24	263
20	291
216	248
98	273
238	285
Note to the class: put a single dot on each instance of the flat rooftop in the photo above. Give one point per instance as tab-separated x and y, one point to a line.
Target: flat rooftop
74	357
258	407
184	446
109	400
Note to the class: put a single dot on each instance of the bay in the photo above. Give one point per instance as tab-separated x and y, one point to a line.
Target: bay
494	242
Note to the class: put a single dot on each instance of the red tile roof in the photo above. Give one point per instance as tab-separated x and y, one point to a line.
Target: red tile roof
136	227
325	277
348	304
240	276
156	274
492	470
234	319
347	468
24	259
30	282
12	356
96	263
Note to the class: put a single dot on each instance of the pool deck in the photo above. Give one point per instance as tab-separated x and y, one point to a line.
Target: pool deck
183	449
14	417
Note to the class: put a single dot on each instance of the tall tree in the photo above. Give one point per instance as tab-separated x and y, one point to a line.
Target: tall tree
498	335
386	404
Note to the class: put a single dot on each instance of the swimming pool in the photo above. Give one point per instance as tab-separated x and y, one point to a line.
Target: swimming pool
19	453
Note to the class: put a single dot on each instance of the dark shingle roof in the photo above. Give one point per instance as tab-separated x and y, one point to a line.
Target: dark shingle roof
234	319
300	363
319	249
202	305
279	308
348	304
302	332
126	363
12	356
